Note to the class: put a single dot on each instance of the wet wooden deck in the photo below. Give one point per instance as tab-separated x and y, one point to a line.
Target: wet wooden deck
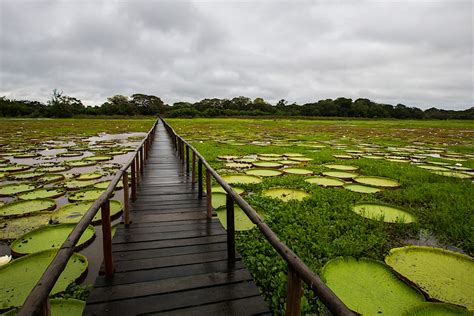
171	259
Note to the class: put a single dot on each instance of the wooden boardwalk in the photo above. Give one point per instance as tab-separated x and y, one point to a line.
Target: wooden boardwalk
171	259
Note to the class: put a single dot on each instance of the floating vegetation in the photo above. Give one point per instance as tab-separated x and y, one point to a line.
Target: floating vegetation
49	237
22	208
14	168
377	182
86	195
263	172
42	193
286	194
325	182
219	189
98	158
454	174
369	287
297	171
18	278
20	176
267	164
436	309
359	188
89	176
341	167
218	199
77	184
12	228
340	174
386	213
72	213
81	163
241	221
444	275
105	184
242	179
15	188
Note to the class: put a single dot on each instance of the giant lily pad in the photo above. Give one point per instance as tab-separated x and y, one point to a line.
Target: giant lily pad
241	221
81	163
49	178
42	193
105	184
444	275
86	195
18	278
25	175
359	188
377	182
341	167
298	171
15	188
218	199
21	208
286	194
13	228
99	158
243	179
369	287
76	185
49	237
436	309
218	188
340	174
387	213
453	174
14	168
263	172
89	176
301	159
72	213
267	164
325	182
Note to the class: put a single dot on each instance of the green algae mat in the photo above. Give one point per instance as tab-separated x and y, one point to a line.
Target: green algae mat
386	213
444	275
49	237
369	287
18	278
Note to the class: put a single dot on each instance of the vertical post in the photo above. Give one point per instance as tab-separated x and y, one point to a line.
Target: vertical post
193	176
46	309
145	148
230	228
142	160
107	238
126	214
187	159
200	178
208	194
294	293
134	181
137	170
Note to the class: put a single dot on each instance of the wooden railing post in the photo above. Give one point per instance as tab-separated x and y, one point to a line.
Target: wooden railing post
208	194
187	159
142	159
137	170
200	178
46	309
126	207
134	180
294	293
193	176
230	228
107	238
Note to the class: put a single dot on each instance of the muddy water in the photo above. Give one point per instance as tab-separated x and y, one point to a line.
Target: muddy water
94	251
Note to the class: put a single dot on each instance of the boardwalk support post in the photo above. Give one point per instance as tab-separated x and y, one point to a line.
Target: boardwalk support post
200	178
230	228
294	293
134	181
193	176
187	159
107	238
137	170
126	207
142	159
208	194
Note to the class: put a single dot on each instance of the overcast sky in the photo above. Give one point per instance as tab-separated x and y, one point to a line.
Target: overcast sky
415	52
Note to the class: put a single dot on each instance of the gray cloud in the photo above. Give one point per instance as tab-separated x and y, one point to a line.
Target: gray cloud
418	53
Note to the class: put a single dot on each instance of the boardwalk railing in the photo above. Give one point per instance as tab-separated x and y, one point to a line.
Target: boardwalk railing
298	271
37	301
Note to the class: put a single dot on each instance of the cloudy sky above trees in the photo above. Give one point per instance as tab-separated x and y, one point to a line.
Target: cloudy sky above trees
415	52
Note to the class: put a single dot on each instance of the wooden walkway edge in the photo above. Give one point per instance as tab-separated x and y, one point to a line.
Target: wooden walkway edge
171	259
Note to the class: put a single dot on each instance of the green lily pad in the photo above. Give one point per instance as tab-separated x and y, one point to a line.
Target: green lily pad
49	237
15	188
270	155
293	155
70	154
243	179
14	168
86	195
81	163
25	175
76	185
241	221
267	164
218	199
359	188
343	156
298	171
340	174
289	162
453	174
89	176
105	184
389	214
437	309
99	158
42	193
377	182
341	167
49	178
26	155
227	157
369	287
53	169
22	208
237	165
12	228
72	213
325	182
263	172
301	159
433	168
286	194
219	189
442	274
18	278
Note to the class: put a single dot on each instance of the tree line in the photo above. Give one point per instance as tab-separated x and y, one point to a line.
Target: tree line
63	106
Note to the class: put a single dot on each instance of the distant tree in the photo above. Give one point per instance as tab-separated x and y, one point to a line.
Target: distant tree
148	104
62	105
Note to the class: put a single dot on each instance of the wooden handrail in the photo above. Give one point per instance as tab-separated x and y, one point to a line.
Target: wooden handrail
298	270
38	297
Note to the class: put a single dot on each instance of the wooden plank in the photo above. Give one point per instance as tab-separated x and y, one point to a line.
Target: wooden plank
119	239
169	243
